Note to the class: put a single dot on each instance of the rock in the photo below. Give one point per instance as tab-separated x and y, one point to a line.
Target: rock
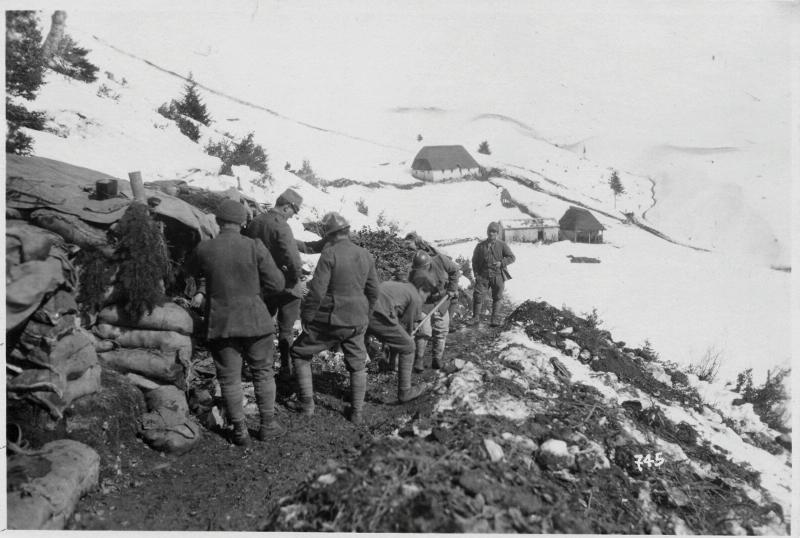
554	454
409	490
733	526
585	356
459	363
494	450
785	440
327	479
520	440
473	483
566	330
592	458
571	348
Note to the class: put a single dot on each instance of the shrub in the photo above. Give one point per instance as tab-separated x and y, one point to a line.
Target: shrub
246	152
70	60
465	265
307	173
769	400
384	222
24	70
484	148
593	319
187	127
361	205
707	368
108	93
190	104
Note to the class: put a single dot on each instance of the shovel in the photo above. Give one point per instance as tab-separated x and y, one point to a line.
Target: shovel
435	308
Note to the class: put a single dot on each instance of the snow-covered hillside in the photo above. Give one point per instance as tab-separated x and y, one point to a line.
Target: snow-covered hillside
685	302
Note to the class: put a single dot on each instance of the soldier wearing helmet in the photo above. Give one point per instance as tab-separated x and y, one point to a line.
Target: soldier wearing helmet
235	273
335	311
489	261
444	273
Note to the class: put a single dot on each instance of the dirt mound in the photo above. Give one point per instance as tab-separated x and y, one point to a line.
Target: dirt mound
562	329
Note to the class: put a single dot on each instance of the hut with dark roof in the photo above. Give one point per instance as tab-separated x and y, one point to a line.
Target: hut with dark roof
435	163
579	225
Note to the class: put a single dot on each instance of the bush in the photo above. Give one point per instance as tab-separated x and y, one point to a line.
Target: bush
466	267
190	104
187	127
484	148
245	153
307	173
707	368
769	400
70	60
593	319
385	222
361	206
108	93
24	70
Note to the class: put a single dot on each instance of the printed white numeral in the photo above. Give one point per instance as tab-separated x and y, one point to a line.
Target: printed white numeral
648	460
659	461
638	462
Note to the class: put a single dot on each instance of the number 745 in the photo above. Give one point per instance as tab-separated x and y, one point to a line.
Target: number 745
646	459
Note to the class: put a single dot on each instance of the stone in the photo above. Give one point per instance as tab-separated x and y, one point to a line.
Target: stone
785	440
566	330
409	490
554	454
592	458
459	363
494	450
585	356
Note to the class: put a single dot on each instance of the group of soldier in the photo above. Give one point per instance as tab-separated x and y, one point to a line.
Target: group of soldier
250	280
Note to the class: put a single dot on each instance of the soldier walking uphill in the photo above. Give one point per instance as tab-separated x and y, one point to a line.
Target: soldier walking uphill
397	308
444	273
235	272
489	261
336	310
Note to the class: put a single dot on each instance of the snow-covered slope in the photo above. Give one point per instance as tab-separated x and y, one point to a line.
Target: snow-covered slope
685	302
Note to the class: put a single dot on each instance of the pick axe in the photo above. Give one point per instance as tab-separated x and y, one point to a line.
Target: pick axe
427	317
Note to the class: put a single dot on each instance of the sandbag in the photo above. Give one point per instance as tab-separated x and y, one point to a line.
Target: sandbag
88	383
60	304
44	486
150	363
72	229
37	380
26	286
167	397
169	317
45	335
170	431
163	340
71	355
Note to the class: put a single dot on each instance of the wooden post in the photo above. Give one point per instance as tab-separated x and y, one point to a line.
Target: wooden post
137	186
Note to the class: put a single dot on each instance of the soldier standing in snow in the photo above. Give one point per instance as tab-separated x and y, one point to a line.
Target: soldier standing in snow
273	230
444	273
397	308
235	273
336	310
489	261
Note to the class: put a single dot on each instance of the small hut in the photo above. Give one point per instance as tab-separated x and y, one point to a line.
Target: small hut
435	163
579	225
544	230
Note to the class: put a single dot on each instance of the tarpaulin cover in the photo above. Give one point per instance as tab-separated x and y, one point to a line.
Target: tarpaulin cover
37	182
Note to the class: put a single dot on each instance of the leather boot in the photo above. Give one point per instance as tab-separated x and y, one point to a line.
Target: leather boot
495	315
241	437
419	356
270	429
405	392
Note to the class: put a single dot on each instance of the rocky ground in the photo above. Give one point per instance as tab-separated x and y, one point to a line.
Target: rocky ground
502	444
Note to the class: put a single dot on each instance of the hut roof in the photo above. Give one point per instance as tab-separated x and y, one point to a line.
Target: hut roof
443	158
577	218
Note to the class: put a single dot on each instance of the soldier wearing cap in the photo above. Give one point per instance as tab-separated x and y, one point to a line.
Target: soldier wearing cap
235	273
273	230
489	261
444	273
335	311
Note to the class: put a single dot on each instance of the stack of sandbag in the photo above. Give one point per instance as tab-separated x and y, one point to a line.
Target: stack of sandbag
52	360
167	426
153	350
44	485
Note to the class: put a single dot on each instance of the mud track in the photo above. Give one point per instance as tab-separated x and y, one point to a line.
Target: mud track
218	486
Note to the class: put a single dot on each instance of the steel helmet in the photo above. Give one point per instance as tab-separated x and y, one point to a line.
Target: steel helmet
333	222
422	260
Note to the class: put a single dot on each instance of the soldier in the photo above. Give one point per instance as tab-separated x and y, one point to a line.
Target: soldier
444	273
414	241
489	261
397	308
274	231
235	273
336	310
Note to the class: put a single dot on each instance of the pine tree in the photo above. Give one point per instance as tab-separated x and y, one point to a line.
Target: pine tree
419	138
484	148
70	60
190	104
616	186
24	69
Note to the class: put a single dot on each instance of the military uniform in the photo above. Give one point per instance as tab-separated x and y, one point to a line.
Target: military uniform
444	273
489	261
